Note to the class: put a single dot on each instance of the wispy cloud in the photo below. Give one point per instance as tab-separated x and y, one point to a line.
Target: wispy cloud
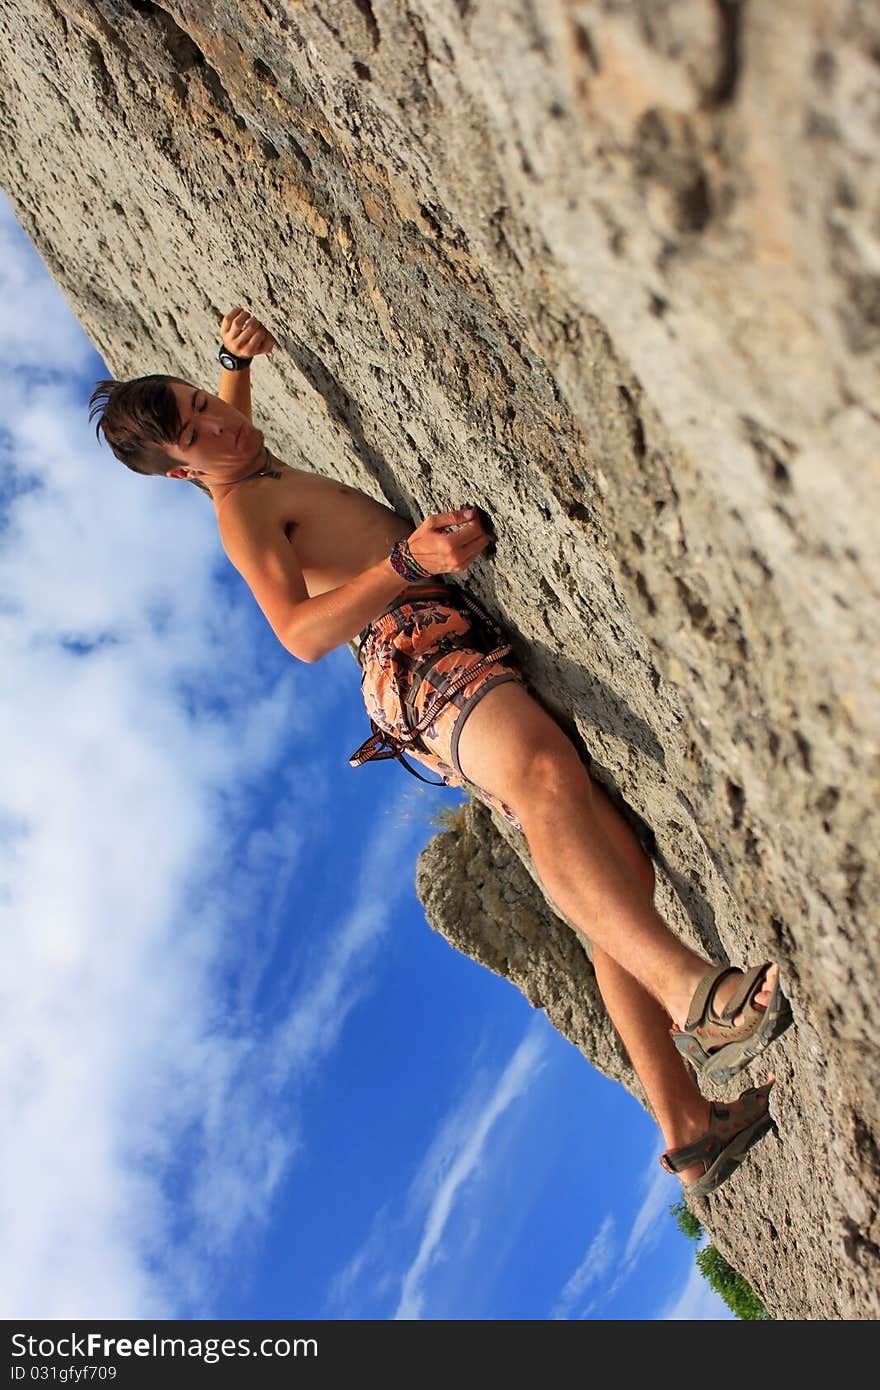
646	1229
454	1161
252	1124
369	1268
592	1268
661	1191
696	1302
445	1189
314	1025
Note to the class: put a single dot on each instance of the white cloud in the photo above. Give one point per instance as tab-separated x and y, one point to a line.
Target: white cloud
244	1150
146	1115
368	1268
661	1190
32	306
342	978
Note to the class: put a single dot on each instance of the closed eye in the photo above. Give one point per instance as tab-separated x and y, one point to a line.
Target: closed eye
195	434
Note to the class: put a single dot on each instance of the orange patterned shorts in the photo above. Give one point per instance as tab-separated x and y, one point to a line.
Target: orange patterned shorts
427	662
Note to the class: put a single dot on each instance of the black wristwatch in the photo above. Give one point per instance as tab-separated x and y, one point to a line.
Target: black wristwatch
232	363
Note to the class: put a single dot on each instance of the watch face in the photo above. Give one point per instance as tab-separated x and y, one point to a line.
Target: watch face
227	360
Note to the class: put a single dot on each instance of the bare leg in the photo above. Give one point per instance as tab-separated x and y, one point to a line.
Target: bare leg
600	877
512	748
676	1104
681	1112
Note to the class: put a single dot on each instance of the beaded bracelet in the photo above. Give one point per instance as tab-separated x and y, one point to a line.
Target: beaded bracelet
406	565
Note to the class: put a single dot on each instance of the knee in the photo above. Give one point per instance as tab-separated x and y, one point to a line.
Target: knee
551	769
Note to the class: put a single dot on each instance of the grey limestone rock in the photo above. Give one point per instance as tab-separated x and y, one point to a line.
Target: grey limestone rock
612	272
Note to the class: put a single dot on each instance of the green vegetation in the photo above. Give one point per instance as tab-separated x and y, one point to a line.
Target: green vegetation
686	1221
739	1296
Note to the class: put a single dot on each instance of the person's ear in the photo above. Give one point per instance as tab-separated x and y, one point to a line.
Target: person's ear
176	472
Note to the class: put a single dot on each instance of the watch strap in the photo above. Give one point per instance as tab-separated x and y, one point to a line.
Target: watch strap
231	361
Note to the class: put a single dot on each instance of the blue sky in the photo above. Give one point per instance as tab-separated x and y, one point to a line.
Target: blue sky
241	1077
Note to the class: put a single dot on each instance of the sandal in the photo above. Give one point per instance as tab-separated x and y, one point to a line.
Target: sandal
714	1045
723	1147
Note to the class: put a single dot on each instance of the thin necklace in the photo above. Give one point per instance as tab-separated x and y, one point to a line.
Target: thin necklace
264	472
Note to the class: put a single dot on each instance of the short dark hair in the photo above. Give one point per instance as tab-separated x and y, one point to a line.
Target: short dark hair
136	418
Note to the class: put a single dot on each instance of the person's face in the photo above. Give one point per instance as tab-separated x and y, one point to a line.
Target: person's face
216	442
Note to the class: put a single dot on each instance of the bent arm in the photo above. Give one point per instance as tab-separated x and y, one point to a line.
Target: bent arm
318	625
307	627
310	627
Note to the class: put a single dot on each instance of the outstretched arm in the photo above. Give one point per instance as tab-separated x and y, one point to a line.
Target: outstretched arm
244	335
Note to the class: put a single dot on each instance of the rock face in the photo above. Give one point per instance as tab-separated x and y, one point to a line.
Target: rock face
611	271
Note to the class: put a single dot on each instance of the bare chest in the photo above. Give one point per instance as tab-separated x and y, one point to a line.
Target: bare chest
336	530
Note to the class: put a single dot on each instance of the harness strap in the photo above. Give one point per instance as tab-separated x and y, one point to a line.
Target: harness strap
469	674
382	744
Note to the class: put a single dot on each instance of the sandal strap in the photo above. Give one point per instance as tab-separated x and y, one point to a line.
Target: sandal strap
704	992
746	990
709	1145
702	1150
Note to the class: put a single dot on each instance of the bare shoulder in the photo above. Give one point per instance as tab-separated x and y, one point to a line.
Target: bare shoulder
253	537
242	516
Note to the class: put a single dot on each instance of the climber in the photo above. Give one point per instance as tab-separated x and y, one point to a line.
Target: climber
328	565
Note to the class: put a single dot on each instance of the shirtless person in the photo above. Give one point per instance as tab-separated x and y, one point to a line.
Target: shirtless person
328	565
